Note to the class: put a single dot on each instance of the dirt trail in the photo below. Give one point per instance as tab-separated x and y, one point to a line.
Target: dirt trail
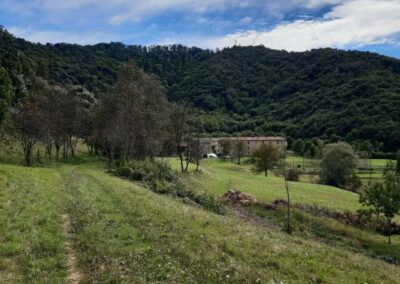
74	274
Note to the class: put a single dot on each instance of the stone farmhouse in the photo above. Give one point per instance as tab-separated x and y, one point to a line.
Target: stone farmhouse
213	145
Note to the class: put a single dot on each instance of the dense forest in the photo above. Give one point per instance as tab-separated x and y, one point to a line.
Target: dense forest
326	93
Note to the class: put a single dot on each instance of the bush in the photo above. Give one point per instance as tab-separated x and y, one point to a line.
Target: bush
136	175
293	175
124	172
158	177
338	164
353	184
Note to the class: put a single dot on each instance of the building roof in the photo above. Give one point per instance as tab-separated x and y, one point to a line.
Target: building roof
253	138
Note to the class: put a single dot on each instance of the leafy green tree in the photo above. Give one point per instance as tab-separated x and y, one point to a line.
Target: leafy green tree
338	164
390	168
265	157
384	198
5	92
298	147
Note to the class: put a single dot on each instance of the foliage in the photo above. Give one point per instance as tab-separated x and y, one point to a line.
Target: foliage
124	172
266	156
384	198
398	163
293	175
335	95
353	183
298	147
226	145
158	177
338	164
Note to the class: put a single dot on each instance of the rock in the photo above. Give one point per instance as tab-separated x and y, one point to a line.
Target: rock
236	197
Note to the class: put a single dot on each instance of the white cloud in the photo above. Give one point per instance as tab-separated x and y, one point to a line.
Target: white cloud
117	12
246	20
312	4
352	23
349	23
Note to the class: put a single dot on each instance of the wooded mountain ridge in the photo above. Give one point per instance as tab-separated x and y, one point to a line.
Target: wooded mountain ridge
326	93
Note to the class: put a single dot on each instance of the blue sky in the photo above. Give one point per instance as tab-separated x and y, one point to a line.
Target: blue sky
294	25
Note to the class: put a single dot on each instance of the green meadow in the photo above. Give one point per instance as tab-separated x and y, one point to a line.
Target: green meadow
218	176
120	232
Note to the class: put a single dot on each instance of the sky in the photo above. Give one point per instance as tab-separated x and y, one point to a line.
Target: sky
293	25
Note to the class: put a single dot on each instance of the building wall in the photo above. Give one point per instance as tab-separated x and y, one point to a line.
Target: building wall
213	145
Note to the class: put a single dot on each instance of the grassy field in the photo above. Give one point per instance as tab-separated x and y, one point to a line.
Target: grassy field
218	176
310	166
121	232
31	239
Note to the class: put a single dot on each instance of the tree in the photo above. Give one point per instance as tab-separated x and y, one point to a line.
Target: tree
398	163
180	132
338	164
28	127
298	147
238	148
309	149
196	153
385	198
5	92
266	156
226	145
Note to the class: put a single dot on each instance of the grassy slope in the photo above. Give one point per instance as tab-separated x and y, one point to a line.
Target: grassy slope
31	239
125	233
218	176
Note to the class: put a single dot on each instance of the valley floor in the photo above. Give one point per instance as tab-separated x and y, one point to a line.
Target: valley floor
74	222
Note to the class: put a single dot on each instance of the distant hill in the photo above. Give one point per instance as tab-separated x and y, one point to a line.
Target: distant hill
325	93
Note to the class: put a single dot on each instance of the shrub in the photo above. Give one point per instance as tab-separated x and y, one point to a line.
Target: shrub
158	177
124	172
136	175
353	184
293	175
338	164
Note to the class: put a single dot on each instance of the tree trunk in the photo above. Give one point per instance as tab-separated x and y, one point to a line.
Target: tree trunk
289	227
181	160
49	146
57	152
389	230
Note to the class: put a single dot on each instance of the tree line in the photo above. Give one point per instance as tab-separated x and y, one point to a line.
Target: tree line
133	120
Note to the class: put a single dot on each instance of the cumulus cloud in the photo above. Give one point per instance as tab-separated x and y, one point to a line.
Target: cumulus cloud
352	23
347	24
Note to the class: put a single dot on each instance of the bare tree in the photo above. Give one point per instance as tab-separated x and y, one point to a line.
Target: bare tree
226	145
238	149
197	152
129	121
28	126
181	134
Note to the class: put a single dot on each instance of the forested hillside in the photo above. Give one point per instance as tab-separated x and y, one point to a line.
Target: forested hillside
325	93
